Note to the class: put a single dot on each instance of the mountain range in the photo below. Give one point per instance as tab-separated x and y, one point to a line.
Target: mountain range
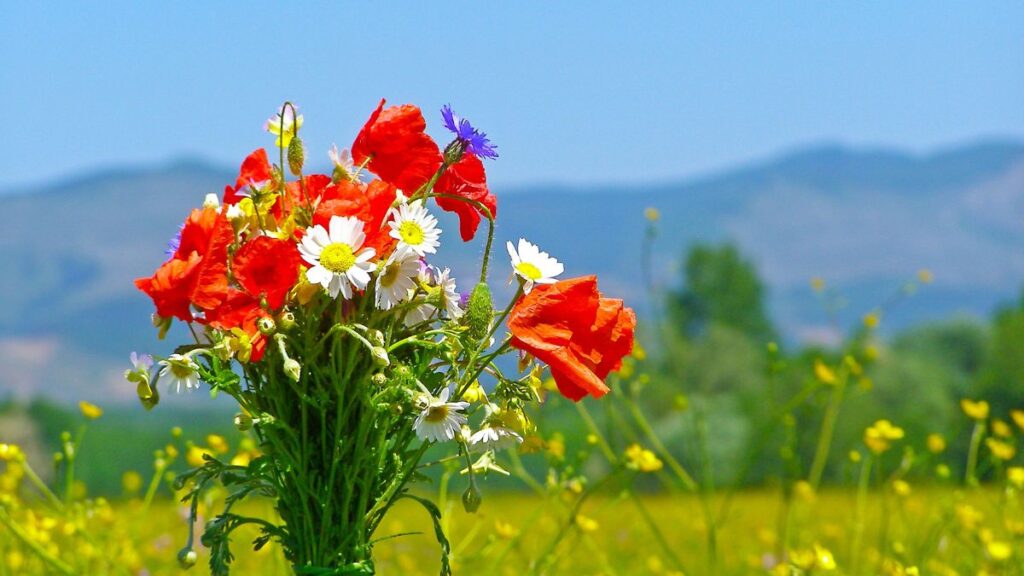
864	220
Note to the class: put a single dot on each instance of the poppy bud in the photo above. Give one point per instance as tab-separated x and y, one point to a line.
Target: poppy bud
286	321
454	151
296	156
479	312
471	499
187	557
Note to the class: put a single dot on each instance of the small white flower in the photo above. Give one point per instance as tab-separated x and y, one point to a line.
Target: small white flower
449	295
211	201
495	437
440	419
443	289
342	159
235	212
337	262
141	362
415	229
182	370
395	282
532	265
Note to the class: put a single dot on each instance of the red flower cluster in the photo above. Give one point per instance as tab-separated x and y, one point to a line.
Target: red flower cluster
396	148
580	335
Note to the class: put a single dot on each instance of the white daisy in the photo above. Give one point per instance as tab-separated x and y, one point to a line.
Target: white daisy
440	419
495	437
415	229
443	289
395	282
182	370
342	159
532	265
337	262
450	297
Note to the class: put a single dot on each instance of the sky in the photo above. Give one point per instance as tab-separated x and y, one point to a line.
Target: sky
572	92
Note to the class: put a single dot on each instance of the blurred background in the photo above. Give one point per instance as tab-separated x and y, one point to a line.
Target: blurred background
816	170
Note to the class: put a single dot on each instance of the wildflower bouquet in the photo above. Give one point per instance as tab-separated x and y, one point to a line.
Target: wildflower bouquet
313	305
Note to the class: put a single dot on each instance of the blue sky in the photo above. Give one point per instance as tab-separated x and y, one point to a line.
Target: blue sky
572	92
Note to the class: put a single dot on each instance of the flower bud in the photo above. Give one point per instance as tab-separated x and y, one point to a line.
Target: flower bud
296	156
376	337
380	356
187	557
286	321
243	421
479	312
292	369
266	325
471	499
454	151
379	379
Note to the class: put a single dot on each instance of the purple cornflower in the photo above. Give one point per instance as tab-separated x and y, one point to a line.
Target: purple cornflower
476	141
174	243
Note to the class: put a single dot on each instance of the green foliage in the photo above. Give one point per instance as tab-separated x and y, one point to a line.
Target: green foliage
721	287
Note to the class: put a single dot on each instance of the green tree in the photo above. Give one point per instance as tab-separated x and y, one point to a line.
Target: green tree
720	287
1001	380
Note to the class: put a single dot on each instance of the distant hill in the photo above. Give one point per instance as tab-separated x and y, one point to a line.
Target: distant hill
864	220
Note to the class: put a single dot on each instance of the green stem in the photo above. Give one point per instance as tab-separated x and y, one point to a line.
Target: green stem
970	475
828	426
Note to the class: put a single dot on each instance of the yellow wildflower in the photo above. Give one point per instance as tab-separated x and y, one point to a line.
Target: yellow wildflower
532	444
474	392
556	447
872	320
131	481
854	456
817	284
974	409
1001	428
1001	450
924	276
90	411
195	454
879	436
217	443
504	530
823	373
969	516
652	214
804	491
901	488
586	524
1015	474
999	550
641	459
1018	418
936	443
823	559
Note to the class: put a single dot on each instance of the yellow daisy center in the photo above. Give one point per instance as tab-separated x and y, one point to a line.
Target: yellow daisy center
437	414
529	271
337	257
180	370
411	233
390	275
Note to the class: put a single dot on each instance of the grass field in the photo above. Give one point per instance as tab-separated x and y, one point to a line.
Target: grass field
938	530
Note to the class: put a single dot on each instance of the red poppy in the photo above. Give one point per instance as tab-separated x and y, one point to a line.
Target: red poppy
466	178
268	267
240	310
255	169
196	274
577	333
398	149
368	202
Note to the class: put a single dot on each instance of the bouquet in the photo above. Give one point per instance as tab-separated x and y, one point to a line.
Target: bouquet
312	303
